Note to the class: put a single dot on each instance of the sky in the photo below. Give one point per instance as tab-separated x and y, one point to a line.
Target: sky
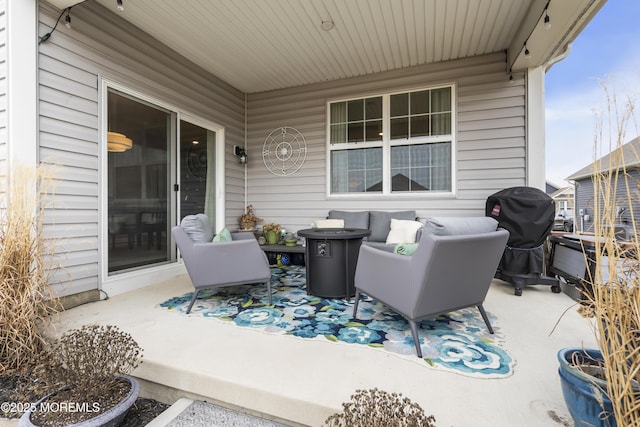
607	52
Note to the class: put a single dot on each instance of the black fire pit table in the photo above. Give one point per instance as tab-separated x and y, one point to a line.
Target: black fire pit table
331	256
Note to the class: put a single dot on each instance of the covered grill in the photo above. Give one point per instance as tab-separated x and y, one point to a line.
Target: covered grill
528	214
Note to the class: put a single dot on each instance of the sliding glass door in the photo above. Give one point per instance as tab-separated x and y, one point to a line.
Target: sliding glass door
160	168
139	141
197	171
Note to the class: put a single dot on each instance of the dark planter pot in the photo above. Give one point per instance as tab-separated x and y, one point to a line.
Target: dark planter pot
584	394
111	418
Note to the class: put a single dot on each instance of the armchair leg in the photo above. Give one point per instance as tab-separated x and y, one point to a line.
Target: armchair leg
269	292
193	299
416	339
355	304
485	318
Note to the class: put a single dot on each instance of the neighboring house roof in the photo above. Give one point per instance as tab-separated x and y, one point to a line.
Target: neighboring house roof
257	45
400	181
630	157
566	192
550	187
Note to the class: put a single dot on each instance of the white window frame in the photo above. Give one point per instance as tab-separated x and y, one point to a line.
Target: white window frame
387	143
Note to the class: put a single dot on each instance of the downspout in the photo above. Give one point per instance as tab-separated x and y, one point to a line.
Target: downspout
245	147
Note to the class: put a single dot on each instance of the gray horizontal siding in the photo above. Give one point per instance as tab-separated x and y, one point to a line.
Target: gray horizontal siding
70	63
585	197
74	234
490	142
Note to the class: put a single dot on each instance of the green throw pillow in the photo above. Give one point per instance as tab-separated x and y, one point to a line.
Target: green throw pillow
405	248
223	236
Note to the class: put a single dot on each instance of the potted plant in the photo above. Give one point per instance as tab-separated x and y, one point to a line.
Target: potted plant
88	369
272	232
248	220
584	387
600	386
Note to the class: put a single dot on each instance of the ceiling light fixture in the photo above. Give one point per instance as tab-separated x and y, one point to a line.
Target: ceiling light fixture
67	20
327	25
527	54
118	143
120	5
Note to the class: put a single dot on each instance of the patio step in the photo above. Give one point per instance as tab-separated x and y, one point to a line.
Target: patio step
205	409
196	413
170	413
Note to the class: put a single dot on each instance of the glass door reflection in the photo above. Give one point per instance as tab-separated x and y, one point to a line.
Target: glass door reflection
139	142
197	171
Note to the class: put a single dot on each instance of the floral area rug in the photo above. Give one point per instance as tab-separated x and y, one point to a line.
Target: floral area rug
458	342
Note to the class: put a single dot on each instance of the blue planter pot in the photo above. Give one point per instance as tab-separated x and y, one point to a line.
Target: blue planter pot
585	395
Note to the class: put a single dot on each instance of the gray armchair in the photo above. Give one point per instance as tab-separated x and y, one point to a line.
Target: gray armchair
214	265
444	274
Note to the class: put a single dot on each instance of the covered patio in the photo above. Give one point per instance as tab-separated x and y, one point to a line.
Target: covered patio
302	382
229	74
236	71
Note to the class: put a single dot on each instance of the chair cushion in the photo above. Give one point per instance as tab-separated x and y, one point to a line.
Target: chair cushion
223	236
380	223
352	219
403	231
197	227
452	226
379	245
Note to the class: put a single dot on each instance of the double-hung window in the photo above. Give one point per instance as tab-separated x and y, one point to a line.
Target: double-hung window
392	143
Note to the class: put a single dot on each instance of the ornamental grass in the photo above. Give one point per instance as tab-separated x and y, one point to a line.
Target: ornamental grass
25	297
614	294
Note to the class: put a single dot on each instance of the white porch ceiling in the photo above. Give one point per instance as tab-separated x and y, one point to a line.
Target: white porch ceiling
260	45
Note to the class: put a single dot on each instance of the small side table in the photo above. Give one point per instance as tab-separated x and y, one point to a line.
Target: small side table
272	251
331	255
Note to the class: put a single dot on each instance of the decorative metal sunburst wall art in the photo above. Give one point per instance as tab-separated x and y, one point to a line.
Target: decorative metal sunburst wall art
284	151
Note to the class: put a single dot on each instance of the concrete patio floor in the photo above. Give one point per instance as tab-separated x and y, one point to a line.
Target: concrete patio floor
302	382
